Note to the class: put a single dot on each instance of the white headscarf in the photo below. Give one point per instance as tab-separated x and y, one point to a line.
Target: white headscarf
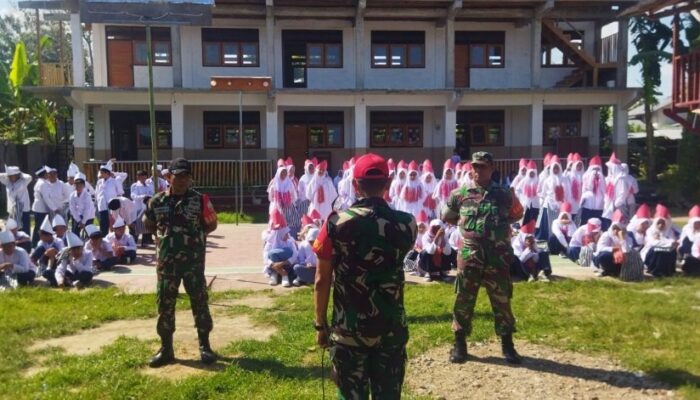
282	190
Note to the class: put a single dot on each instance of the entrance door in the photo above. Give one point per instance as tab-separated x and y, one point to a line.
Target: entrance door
123	127
295	144
461	65
120	63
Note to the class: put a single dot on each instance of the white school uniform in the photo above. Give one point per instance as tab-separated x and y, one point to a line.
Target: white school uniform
521	250
75	266
126	241
106	190
102	253
306	255
561	231
19	259
81	207
17	193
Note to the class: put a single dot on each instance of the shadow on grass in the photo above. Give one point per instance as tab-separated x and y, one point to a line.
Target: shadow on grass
445	317
220	365
620	379
278	369
677	377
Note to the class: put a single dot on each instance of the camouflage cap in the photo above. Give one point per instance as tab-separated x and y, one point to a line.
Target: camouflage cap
482	157
179	166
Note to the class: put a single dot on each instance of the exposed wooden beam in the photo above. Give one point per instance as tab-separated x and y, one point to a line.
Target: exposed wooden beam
486	13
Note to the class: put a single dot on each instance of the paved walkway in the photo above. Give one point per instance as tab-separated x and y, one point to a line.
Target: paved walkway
234	261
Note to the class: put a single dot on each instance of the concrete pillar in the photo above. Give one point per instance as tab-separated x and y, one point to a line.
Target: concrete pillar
76	32
622	39
176	45
177	118
535	52
360	59
450	53
80	135
594	136
270	46
619	134
450	123
271	128
103	136
536	127
361	129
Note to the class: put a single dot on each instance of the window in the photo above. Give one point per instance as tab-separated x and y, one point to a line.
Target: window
560	123
553	56
163	136
324	55
481	128
398	49
396	128
161	47
486	48
221	129
324	129
230	47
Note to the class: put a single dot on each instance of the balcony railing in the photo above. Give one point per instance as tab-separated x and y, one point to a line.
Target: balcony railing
53	74
686	81
211	174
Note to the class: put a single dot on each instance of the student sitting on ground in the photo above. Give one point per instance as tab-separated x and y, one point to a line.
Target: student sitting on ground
14	260
60	229
689	231
75	268
659	252
612	247
411	261
638	226
305	268
530	258
22	239
437	256
584	241
123	244
103	258
691	264
279	252
562	230
44	255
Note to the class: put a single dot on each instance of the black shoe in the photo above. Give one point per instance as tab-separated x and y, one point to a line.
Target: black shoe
205	352
508	348
458	354
165	355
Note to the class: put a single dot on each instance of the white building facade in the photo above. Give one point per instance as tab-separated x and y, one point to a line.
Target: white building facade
408	80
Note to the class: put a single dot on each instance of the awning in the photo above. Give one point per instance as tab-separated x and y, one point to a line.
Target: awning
143	12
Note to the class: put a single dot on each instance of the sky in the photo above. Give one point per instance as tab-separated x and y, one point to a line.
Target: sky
634	78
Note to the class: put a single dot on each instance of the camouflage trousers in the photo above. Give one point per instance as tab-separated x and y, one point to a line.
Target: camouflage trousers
488	267
166	297
359	370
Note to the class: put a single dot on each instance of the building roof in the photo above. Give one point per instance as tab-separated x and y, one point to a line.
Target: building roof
639	110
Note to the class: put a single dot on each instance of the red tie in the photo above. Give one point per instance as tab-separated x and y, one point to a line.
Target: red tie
320	195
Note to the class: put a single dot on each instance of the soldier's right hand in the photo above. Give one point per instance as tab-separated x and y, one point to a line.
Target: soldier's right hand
322	339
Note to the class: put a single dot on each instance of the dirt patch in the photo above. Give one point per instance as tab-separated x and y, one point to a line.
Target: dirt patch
546	373
657	291
260	302
227	329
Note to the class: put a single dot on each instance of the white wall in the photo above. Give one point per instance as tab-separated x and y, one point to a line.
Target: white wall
334	78
162	76
516	73
195	75
430	77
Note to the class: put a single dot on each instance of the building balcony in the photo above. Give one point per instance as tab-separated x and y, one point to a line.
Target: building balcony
54	74
686	81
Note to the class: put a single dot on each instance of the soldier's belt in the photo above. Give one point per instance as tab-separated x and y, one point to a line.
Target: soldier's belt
473	236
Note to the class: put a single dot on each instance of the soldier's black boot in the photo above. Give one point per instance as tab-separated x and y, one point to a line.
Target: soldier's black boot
206	353
165	355
458	354
508	348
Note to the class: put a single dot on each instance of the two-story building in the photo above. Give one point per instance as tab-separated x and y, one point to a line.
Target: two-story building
408	79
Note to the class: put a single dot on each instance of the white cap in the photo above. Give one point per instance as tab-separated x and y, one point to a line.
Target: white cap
80	176
159	167
73	170
46	226
10	224
50	169
12	170
118	223
41	170
91	230
6	237
165	171
58	221
312	234
436	222
73	240
106	167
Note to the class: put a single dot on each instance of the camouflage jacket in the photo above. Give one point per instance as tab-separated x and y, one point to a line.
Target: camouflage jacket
367	244
484	214
178	220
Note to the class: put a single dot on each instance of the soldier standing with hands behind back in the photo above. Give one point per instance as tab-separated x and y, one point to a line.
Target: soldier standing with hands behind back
182	218
483	214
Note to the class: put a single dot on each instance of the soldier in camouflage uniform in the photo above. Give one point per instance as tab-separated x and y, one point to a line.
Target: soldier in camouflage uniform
483	214
176	215
360	252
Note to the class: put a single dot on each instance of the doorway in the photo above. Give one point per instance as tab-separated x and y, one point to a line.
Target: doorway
120	63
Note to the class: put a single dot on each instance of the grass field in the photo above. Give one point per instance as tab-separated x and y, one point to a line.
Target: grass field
652	327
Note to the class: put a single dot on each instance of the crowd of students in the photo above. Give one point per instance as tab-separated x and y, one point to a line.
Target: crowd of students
586	214
65	246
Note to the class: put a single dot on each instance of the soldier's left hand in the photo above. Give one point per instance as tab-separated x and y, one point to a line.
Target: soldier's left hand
322	338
